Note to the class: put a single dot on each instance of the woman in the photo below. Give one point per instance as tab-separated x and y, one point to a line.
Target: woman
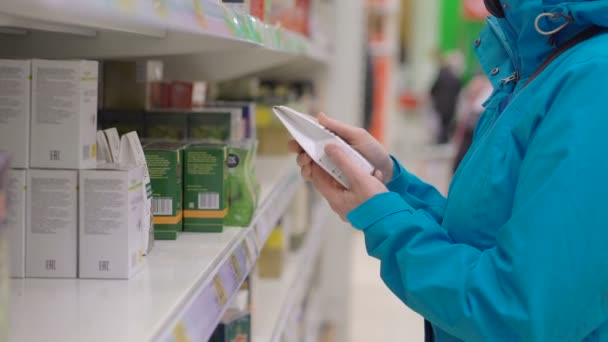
519	249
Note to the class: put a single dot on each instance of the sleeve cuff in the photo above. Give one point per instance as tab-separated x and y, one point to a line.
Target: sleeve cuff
400	181
377	208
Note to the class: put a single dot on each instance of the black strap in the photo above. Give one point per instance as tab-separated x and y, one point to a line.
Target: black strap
579	38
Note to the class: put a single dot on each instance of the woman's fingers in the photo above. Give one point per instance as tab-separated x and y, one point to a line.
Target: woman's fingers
306	172
303	159
294	147
346	132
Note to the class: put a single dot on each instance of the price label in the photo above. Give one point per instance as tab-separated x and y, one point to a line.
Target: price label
179	332
236	266
220	290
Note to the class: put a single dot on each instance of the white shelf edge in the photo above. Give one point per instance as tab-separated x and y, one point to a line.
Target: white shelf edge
254	237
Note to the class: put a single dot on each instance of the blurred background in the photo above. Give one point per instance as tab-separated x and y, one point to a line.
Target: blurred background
279	266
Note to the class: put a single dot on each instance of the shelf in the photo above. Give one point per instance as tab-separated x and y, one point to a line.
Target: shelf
183	290
201	34
282	297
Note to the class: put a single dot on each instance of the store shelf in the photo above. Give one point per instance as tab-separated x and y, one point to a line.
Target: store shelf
183	290
196	31
282	297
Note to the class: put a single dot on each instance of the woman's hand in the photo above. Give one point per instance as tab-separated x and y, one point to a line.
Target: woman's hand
357	138
363	186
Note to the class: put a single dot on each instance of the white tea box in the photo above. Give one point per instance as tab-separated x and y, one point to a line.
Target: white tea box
15	110
52	226
16	224
110	222
64	114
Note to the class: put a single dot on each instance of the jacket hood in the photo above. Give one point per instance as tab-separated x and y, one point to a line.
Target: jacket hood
530	47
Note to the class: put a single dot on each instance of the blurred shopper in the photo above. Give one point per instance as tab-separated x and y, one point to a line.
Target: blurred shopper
445	90
517	252
469	110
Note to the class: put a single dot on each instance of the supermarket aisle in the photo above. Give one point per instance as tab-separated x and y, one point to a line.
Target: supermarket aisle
376	314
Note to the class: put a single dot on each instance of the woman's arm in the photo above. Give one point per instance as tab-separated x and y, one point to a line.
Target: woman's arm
418	194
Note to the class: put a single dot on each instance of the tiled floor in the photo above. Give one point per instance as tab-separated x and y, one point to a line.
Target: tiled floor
376	314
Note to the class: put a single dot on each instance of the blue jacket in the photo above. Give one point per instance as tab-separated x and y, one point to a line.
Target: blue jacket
519	249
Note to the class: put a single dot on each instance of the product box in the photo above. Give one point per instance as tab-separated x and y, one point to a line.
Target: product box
16	222
165	167
15	110
248	115
166	126
205	200
132	154
110	222
51	235
235	326
216	124
128	85
242	185
64	114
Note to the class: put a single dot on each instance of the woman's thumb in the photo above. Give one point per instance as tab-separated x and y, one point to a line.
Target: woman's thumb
345	131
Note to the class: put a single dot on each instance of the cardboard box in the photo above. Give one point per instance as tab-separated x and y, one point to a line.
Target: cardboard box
51	236
272	257
16	222
205	200
165	167
110	222
64	114
15	111
235	326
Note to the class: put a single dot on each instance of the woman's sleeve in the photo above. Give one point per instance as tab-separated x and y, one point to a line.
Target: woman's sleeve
547	277
418	194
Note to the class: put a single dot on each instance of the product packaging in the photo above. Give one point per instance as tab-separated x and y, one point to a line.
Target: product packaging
16	222
235	326
205	198
257	8
242	184
51	235
4	267
165	166
248	115
132	154
130	85
64	114
272	257
15	110
166	126
110	222
216	124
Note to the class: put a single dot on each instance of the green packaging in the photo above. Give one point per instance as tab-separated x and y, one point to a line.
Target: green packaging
165	166
167	126
242	185
216	124
235	326
205	197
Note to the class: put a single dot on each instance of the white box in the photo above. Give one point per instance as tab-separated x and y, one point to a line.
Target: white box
15	110
51	236
16	222
110	222
64	114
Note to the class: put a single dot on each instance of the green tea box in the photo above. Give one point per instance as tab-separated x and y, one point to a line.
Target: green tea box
166	126
205	197
165	166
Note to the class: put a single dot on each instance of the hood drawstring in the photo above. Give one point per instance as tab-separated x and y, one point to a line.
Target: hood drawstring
553	16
